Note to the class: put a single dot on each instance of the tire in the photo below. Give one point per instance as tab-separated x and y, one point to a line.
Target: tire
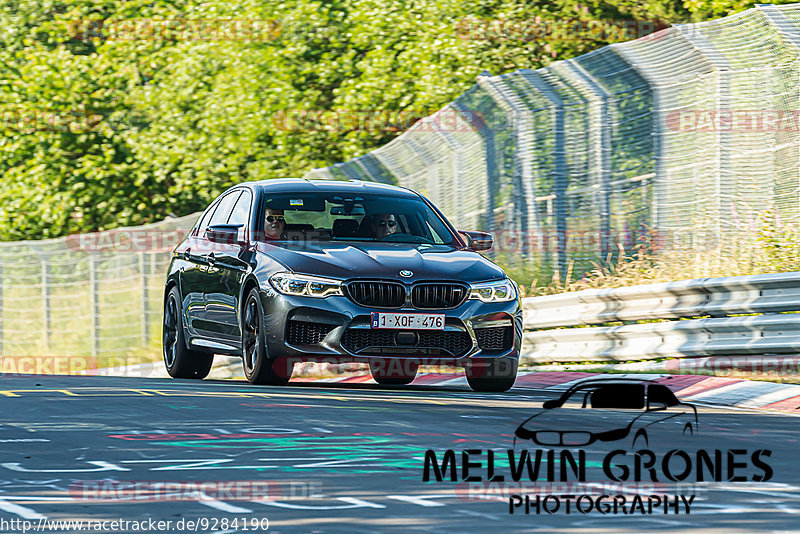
258	367
393	372
180	361
496	375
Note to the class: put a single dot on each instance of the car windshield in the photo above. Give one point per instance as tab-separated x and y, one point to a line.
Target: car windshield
352	217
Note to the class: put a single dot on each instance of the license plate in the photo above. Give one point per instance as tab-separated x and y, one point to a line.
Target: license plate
411	321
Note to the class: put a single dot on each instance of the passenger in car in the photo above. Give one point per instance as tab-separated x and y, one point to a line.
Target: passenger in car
274	224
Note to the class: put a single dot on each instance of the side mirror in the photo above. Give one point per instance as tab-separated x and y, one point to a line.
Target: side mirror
549	405
478	241
224	234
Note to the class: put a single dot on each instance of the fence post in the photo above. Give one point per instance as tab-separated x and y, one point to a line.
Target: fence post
145	299
94	297
560	171
522	178
46	323
600	115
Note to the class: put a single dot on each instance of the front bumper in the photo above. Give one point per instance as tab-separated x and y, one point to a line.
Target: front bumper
335	329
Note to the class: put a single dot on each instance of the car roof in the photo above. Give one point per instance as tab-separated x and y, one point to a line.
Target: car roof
613	382
302	185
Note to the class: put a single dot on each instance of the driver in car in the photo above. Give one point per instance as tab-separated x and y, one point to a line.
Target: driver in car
383	225
274	224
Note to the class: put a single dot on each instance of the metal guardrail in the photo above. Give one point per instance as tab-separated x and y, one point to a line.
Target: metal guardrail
691	318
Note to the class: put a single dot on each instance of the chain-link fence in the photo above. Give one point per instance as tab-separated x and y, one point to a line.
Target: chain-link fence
684	135
97	295
687	133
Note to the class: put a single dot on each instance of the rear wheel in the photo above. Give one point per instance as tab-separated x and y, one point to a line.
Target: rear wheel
258	368
180	361
493	375
393	372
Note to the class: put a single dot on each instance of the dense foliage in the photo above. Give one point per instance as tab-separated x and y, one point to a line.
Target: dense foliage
120	112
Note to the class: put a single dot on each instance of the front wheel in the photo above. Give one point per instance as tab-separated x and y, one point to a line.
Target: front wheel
494	375
258	368
180	361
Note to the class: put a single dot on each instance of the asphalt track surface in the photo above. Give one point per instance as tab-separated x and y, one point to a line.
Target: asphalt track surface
337	458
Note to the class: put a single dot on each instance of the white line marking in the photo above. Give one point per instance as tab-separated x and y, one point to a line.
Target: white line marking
419	500
724	392
781	393
102	466
362	504
222	506
351	503
24	513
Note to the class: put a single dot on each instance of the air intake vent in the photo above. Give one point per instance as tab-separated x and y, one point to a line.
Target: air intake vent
365	341
438	296
377	294
495	339
304	333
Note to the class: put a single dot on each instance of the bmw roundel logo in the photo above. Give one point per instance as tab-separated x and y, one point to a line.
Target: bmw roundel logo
406	273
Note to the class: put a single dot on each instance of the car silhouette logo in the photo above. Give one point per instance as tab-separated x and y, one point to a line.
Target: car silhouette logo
406	273
604	410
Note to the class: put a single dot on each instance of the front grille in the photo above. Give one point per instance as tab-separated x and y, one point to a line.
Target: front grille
495	339
438	296
373	341
377	294
304	333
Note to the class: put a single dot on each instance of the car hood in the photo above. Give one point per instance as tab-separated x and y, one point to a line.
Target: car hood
580	419
382	260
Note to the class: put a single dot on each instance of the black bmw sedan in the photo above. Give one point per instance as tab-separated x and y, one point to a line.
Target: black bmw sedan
286	271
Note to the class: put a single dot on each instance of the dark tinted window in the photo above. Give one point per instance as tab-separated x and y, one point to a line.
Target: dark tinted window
223	212
624	396
202	224
241	212
658	394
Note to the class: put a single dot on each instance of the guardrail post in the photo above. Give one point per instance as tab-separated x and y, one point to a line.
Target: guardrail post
94	297
46	324
145	299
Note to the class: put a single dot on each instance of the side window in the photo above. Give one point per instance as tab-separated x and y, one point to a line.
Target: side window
659	396
202	224
241	213
618	396
223	212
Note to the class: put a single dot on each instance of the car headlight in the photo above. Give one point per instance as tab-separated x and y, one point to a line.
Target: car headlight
305	286
502	291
